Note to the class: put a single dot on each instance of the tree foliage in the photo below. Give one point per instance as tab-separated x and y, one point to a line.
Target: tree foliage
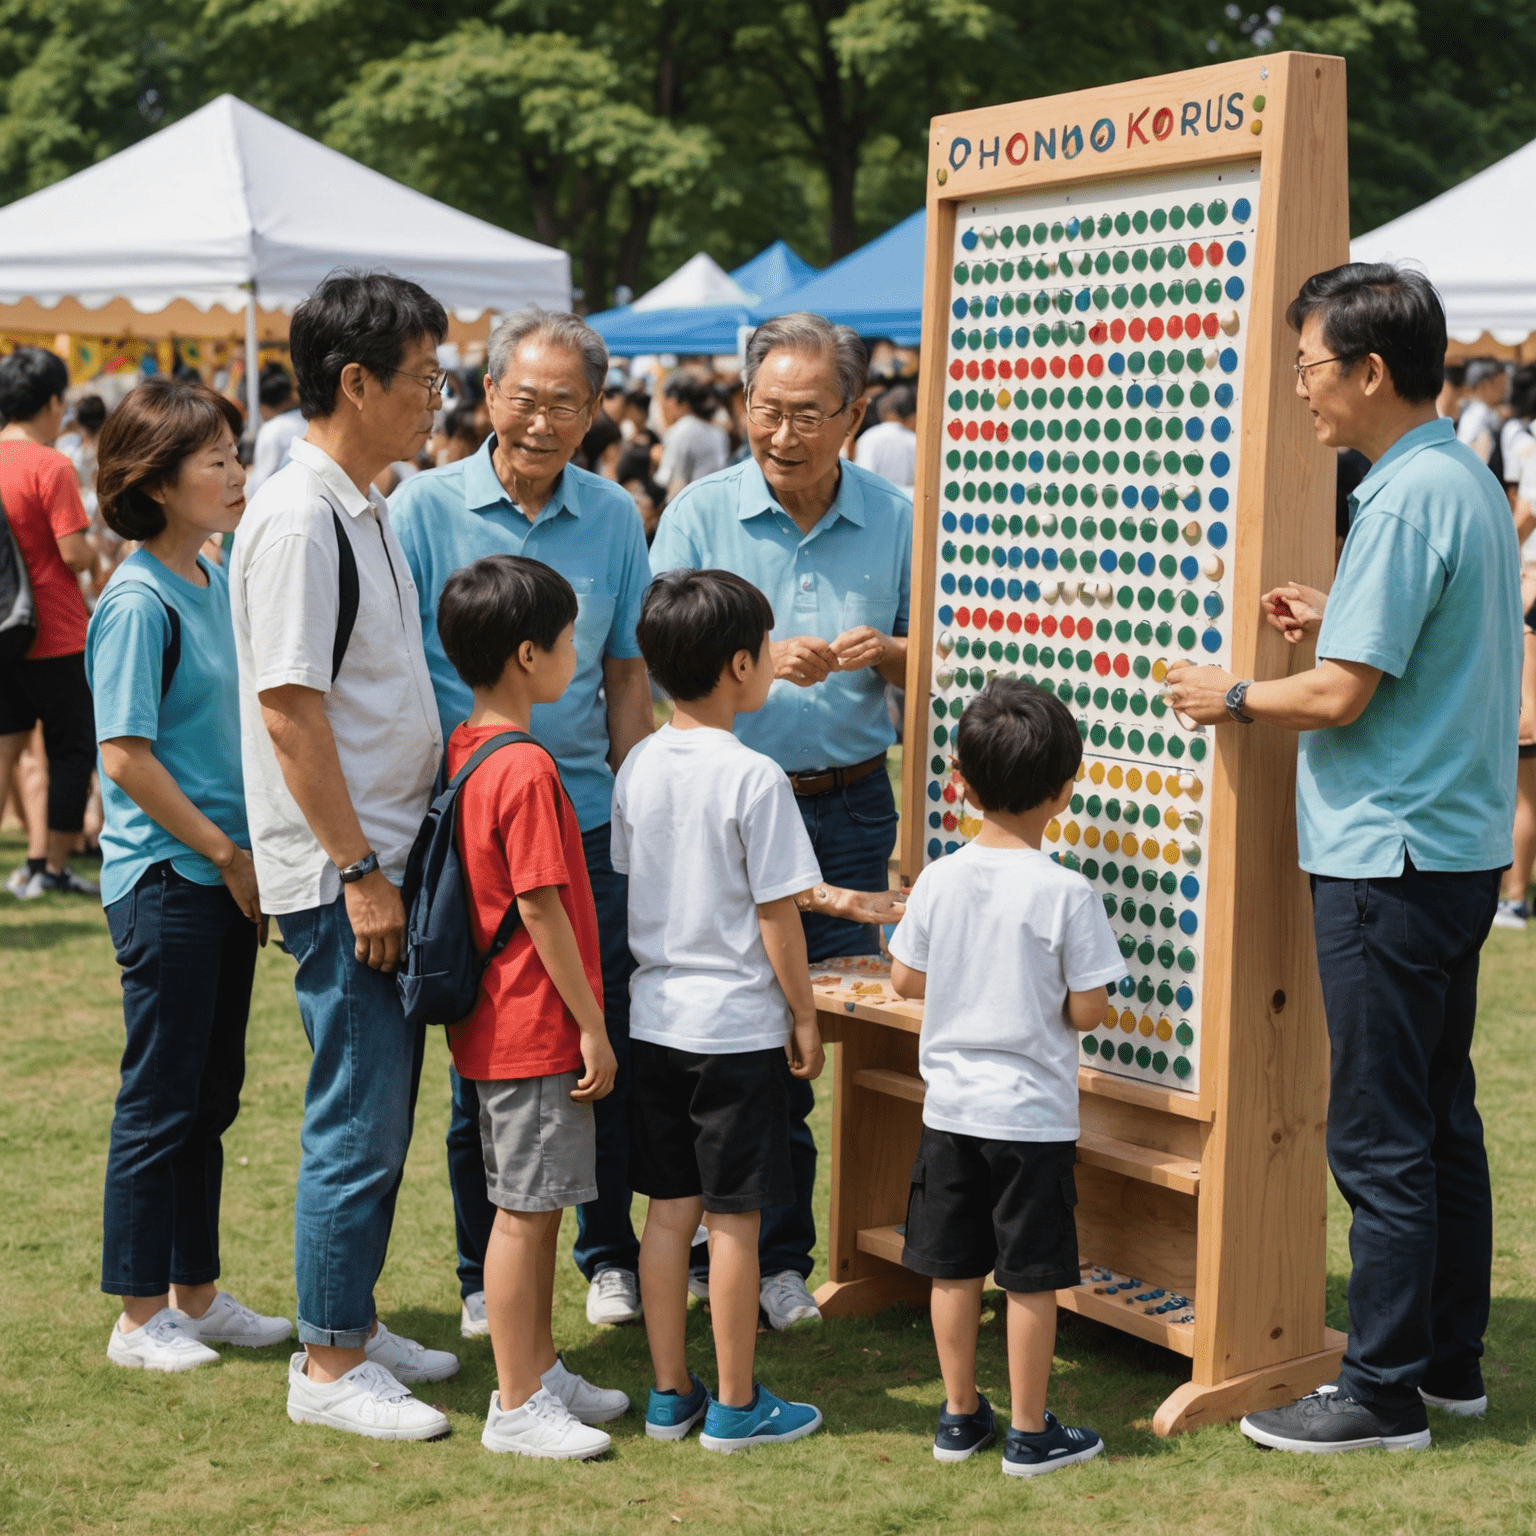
634	132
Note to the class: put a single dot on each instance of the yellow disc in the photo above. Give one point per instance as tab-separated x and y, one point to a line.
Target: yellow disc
1164	1028
1170	853
1116	778
1111	1016
1091	836
1053	831
1155	781
1080	772
1159	669
1145	1025
1149	848
1128	1021
1133	778
1072	832
1004	399
1096	773
1171	819
1111	841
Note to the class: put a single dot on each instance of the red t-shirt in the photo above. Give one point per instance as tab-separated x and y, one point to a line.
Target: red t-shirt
42	504
517	832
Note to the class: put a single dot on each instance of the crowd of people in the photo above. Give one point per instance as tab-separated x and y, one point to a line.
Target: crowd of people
282	682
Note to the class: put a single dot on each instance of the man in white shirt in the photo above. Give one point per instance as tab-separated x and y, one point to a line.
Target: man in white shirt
693	445
1480	419
281	422
890	449
340	744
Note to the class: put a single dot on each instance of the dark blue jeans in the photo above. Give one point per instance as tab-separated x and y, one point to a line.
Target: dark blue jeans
1399	959
605	1237
359	1107
853	831
188	955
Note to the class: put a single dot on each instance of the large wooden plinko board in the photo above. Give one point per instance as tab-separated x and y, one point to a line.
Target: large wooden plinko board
1113	465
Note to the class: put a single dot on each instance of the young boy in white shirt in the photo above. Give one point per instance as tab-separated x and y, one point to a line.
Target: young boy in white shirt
1013	954
721	1011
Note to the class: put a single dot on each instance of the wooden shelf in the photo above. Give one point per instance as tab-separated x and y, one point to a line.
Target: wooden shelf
898	1085
1164	1168
883	1242
1129	1319
1128	1090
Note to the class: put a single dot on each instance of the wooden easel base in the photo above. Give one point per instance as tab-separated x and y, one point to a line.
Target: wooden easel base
872	1293
1193	1406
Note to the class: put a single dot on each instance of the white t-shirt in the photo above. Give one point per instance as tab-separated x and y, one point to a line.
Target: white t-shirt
1519	447
273	440
1476	427
691	449
1003	935
890	450
284	592
706	829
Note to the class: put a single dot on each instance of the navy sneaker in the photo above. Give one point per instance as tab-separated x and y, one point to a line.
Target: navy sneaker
1055	1446
670	1415
963	1434
763	1421
1326	1421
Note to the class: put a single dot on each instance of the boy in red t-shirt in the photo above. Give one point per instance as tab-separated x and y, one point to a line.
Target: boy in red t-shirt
535	1045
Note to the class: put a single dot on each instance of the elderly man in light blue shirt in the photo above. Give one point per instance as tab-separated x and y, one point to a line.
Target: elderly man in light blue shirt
521	495
831	546
1405	795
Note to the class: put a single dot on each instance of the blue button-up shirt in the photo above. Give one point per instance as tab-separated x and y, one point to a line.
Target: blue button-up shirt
1428	590
854	567
590	532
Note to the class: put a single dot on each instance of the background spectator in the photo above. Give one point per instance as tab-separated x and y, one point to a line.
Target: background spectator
1480	420
890	448
281	422
456	436
602	447
693	445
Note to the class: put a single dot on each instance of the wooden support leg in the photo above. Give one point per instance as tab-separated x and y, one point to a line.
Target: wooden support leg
872	1293
1193	1406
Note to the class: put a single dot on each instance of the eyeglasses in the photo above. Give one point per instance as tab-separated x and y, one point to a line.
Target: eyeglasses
1302	368
523	408
434	381
768	418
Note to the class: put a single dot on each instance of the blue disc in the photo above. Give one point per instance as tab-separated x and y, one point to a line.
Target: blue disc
1032	557
1220	464
1211	640
935	819
1149	497
1188	922
1108	560
1015	590
1016	555
1154	395
965	586
1146	562
946	614
1005	336
1228	360
947	582
1189	568
967	522
933	791
1192	502
1133	395
1219	499
1213	603
991	304
1185	996
1217	534
949	520
1017	493
968	239
999	588
1032	591
1072	228
1127	983
1048	559
1234	287
935	848
1223	394
1117	362
1221	429
957	340
1237	253
1241	210
1128	496
951	847
1189	887
959	309
1083	300
1037	461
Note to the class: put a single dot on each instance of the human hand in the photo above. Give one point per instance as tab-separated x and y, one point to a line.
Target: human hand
804	1050
1200	693
1295	610
239	877
804	660
377	916
862	646
877	907
601	1066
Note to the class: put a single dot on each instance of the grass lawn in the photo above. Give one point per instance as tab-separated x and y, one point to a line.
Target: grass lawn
86	1446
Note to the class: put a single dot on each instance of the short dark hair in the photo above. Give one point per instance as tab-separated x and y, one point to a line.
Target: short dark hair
144	441
1375	307
693	622
696	394
1016	745
29	379
357	317
897	403
461	422
274	388
489	608
90	412
1522	392
1481	369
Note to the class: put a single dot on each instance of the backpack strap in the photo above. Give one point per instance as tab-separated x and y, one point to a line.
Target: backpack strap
170	658
347	596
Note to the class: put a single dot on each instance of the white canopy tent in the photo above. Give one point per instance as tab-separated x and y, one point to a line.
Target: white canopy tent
229	208
1476	243
700	281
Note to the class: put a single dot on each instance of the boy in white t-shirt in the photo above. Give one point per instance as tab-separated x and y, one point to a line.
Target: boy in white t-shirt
1013	954
721	1010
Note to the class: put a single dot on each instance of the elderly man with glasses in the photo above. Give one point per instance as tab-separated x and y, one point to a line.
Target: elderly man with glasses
831	546
521	495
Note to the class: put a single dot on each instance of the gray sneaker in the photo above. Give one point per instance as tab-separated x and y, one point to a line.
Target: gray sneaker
786	1301
67	883
1511	914
614	1297
24	884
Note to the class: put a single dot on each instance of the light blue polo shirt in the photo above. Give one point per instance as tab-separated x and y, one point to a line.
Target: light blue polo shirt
1428	590
194	730
591	533
854	567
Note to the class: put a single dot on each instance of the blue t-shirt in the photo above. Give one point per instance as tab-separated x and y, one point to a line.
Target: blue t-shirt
591	533
195	728
853	568
1427	590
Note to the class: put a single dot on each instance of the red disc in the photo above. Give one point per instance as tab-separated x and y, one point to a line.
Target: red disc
1038	367
1048	625
1175	326
949	793
971	430
1101	664
1002	434
1095	365
1058	366
957	369
955	429
1069	626
1005	369
1031	623
962	617
972	371
1075	365
988	368
996	621
1117	330
978	618
1214	253
949	821
1211	326
1122	665
1014	621
1196	254
1099	334
1137	329
1155	327
986	430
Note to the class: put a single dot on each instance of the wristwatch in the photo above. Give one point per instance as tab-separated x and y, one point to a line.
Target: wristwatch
1235	696
364	867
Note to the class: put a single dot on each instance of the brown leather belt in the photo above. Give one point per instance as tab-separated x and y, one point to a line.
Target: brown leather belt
817	781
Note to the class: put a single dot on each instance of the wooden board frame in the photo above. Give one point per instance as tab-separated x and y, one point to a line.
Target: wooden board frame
1252	1236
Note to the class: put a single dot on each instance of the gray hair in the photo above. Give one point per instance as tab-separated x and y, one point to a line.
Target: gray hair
559	330
1481	369
811	333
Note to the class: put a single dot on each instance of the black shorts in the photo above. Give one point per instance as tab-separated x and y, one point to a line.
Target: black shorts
54	690
716	1126
1000	1206
1528	749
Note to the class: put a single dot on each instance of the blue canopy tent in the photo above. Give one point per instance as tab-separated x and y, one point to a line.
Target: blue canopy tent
709	329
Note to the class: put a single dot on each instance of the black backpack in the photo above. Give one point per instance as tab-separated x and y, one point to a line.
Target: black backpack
18	613
439	975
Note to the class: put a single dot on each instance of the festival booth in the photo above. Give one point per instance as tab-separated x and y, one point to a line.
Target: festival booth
1476	243
216	227
1112	466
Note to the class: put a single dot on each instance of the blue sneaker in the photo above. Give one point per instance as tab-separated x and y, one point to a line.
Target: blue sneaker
764	1420
1055	1446
669	1415
963	1434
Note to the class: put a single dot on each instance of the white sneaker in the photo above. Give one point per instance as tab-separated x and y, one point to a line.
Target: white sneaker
473	1323
614	1297
543	1426
787	1302
407	1361
698	1285
1457	1407
161	1344
366	1401
24	885
592	1405
228	1322
1510	914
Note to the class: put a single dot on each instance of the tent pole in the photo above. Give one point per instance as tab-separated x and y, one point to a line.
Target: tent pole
252	389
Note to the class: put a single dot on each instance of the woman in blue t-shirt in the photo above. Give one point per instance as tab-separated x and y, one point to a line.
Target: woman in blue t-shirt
177	878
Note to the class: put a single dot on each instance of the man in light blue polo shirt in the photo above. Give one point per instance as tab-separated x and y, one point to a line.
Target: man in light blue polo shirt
521	495
1405	796
831	546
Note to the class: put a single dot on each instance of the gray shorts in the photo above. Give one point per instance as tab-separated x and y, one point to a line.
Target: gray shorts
540	1145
